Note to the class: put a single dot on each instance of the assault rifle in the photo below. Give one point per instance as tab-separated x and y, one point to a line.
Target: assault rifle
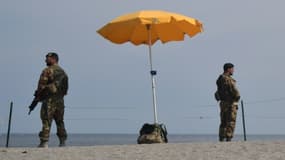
39	96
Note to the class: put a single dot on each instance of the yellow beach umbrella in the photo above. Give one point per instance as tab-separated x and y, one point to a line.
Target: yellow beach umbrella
148	26
164	26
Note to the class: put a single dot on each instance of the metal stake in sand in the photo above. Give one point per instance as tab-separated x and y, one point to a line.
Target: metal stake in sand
243	121
9	125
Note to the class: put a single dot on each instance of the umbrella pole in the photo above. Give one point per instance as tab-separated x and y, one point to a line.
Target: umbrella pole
152	73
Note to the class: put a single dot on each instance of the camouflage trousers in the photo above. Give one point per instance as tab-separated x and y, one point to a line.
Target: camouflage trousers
228	116
52	109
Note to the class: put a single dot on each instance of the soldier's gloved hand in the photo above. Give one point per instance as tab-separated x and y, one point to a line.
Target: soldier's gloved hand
36	93
237	98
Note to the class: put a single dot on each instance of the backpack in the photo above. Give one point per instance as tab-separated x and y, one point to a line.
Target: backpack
152	133
222	92
61	82
64	85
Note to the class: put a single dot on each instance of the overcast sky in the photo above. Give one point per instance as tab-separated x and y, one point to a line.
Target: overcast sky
110	86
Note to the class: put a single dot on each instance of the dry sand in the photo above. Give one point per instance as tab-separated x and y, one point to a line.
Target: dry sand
184	151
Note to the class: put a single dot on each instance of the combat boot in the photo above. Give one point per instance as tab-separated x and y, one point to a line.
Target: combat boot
228	139
62	143
43	144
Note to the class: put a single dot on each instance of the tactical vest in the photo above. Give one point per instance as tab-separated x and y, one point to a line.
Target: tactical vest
224	92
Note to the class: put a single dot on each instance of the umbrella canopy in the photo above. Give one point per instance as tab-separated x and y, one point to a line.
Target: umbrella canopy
164	26
146	27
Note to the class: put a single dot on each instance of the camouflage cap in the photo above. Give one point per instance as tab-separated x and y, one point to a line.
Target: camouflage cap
227	66
53	55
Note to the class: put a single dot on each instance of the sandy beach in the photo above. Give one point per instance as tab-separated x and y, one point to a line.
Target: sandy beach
172	151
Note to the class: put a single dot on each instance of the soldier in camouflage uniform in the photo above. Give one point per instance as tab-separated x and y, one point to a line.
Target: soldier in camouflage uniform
54	82
228	95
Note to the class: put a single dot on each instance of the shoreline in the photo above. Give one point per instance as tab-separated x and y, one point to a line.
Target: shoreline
32	140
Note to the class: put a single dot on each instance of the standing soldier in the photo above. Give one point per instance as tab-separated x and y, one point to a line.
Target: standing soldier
52	87
228	95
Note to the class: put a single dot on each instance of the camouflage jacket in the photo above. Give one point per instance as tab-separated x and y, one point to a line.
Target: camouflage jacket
53	82
227	89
